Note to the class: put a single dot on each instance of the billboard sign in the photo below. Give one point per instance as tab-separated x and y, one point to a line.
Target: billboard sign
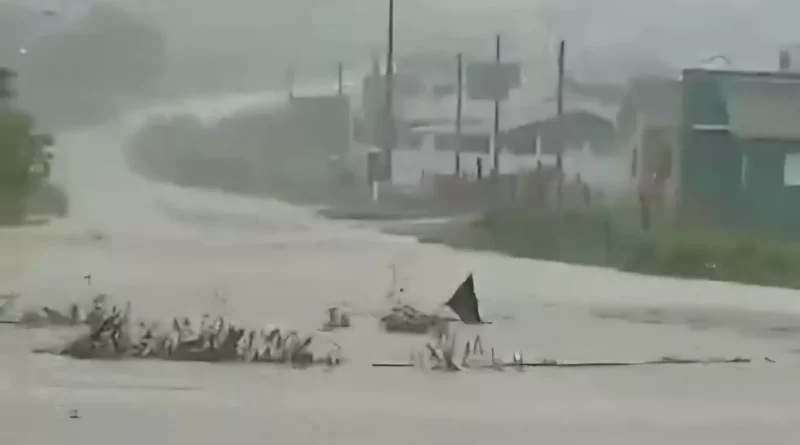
491	80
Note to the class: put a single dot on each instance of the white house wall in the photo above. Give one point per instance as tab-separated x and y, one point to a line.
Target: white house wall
610	173
606	172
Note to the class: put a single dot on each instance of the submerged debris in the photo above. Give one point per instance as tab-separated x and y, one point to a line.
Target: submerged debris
464	302
440	355
47	316
406	318
73	316
337	318
112	335
7	302
442	351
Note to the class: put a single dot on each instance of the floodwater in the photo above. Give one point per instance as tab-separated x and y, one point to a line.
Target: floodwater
171	250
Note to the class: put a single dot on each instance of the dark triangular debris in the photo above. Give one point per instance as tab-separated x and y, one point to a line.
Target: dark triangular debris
464	302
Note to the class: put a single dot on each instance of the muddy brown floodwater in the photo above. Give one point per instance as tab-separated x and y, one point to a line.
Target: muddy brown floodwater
169	249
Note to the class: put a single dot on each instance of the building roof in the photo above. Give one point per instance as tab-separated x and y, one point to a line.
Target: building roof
759	105
573	128
740	74
760	108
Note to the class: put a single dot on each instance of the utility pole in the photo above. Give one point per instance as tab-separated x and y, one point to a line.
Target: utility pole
560	112
496	133
340	74
389	130
560	90
290	82
459	109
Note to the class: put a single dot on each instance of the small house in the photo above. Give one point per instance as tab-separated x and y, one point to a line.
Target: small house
648	132
740	160
7	93
572	130
433	149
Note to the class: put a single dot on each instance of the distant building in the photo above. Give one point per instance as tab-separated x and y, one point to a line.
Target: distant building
788	57
7	92
592	126
648	132
740	160
426	141
785	61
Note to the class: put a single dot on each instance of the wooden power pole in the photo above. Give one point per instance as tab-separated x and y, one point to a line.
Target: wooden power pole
496	133
560	90
389	130
340	75
459	109
290	82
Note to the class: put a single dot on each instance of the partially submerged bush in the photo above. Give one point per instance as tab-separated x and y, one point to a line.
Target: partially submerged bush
408	319
111	334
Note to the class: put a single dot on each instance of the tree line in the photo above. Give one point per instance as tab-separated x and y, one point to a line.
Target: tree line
81	70
25	160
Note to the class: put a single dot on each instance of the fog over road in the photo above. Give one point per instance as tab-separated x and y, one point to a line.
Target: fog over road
168	249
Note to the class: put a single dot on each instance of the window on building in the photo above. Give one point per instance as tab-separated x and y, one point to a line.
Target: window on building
745	168
791	169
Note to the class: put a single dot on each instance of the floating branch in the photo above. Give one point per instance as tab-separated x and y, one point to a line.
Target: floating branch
556	364
440	355
337	318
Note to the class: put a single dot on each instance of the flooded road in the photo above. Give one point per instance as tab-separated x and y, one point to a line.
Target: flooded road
170	250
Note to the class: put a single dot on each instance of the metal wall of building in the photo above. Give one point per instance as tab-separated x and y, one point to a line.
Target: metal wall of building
729	180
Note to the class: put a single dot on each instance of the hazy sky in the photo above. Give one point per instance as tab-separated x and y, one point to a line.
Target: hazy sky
679	32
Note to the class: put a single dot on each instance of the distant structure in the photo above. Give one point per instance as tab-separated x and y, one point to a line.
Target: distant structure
7	92
786	57
739	164
785	60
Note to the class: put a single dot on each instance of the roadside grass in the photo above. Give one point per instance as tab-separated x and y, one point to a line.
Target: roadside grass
610	237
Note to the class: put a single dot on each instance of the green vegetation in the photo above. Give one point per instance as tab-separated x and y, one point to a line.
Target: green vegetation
24	164
612	239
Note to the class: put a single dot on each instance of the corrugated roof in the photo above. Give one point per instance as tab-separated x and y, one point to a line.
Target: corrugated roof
768	76
764	107
520	109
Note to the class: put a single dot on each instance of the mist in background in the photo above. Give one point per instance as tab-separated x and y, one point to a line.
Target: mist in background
87	59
